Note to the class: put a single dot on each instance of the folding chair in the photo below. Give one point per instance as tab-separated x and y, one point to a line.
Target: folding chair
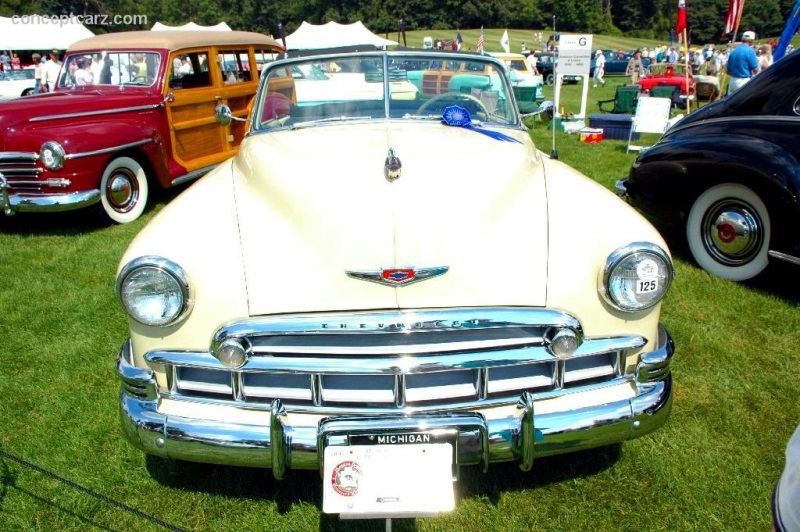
652	116
624	100
705	90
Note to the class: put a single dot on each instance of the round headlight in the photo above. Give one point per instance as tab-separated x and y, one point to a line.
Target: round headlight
52	155
154	291
636	276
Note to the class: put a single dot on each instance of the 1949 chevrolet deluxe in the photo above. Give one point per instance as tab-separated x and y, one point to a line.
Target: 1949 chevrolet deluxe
385	285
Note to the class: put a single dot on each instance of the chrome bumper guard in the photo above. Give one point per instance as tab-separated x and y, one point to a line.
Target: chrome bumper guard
620	187
36	202
280	445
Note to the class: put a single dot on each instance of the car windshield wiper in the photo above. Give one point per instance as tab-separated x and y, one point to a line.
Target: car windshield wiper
311	123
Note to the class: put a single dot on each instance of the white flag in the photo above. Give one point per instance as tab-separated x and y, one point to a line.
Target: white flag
505	43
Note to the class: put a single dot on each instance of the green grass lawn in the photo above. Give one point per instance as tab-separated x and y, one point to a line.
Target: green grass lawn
712	467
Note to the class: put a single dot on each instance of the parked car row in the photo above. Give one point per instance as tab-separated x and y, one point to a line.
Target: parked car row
16	83
616	62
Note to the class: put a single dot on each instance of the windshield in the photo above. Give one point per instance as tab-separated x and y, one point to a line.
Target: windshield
322	90
111	67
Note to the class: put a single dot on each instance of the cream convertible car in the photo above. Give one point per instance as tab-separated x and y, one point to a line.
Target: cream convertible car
379	275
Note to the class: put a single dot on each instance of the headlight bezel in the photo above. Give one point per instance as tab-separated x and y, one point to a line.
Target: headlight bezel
165	266
647	250
59	156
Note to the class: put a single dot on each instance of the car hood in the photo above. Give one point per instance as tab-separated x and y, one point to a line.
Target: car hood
315	203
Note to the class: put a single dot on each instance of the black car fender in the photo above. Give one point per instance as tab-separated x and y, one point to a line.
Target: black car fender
679	168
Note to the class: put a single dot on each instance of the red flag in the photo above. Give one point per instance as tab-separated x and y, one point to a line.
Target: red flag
681	25
734	14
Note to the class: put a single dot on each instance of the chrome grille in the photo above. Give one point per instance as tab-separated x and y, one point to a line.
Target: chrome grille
420	360
20	170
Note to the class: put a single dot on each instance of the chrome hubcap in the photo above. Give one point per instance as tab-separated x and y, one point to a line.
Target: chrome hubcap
122	191
732	232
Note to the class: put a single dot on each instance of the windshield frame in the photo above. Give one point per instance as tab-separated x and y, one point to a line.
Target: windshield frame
387	60
157	74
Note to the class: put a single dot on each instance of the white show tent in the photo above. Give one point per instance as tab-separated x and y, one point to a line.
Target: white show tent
40	32
333	35
190	26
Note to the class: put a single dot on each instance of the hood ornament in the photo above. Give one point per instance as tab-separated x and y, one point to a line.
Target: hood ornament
398	276
392	166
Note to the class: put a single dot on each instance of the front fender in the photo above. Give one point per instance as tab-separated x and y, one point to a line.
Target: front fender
676	170
90	145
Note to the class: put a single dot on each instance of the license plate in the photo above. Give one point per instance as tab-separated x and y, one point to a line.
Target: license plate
385	481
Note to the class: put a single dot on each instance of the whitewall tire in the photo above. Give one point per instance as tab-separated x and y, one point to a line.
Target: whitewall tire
728	231
123	190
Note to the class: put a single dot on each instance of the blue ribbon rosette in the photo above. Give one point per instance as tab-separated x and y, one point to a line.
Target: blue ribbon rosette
457	116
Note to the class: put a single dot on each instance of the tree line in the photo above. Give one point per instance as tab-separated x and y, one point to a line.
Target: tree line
635	18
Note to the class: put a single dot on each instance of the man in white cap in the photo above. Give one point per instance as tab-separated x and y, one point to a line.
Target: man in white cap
599	68
742	63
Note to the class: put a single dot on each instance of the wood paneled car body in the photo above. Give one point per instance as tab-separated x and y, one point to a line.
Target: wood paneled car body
379	269
728	175
130	110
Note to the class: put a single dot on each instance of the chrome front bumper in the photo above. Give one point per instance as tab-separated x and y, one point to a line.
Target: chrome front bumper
289	441
38	202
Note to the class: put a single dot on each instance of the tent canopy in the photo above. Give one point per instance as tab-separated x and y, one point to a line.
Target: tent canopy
38	32
333	35
190	26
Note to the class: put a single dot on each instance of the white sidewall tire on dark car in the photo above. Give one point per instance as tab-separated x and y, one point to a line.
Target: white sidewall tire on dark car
728	231
123	190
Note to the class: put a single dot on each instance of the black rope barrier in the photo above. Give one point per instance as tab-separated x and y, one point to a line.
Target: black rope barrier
90	492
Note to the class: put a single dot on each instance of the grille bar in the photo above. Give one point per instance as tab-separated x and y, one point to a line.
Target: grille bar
385	361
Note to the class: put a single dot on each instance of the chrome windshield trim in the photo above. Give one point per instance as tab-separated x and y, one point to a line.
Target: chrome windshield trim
108	150
96	113
393	365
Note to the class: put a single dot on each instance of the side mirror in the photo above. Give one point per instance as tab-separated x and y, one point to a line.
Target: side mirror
546	110
169	98
224	116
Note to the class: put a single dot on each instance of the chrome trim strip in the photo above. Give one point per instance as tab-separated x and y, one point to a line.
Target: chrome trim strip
96	113
394	321
25	202
107	150
193	175
783	256
392	365
26	156
31	170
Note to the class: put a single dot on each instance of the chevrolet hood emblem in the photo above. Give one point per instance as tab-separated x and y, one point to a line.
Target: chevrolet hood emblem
397	276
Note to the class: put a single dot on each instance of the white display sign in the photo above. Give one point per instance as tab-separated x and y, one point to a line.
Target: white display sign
574	54
385	481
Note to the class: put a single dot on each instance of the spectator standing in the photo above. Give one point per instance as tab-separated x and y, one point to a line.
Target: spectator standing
742	63
532	61
672	56
765	57
5	60
599	68
37	73
15	64
50	71
660	56
635	67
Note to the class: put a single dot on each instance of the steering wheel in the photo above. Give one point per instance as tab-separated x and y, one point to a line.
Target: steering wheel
453	96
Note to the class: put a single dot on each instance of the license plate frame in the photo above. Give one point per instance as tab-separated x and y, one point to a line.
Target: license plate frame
390	475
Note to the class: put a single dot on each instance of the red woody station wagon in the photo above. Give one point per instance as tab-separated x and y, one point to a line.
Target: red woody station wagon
130	111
